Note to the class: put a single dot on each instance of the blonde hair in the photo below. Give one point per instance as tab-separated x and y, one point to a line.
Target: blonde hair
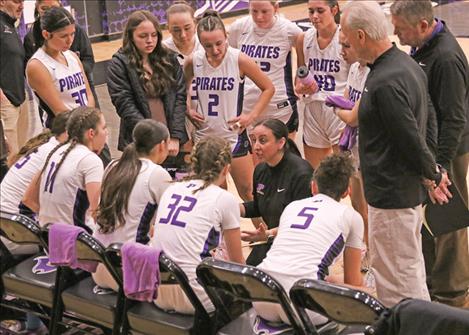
208	158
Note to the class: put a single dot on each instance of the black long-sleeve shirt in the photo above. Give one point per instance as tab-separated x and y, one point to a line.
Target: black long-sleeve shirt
276	187
393	116
11	61
447	69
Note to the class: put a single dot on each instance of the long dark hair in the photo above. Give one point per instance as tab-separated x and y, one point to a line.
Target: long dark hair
162	79
81	119
280	130
54	19
36	29
208	158
122	174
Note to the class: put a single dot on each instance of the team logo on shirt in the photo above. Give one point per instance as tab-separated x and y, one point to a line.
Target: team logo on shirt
260	189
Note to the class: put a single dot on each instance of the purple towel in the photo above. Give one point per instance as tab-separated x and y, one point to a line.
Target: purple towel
141	271
339	101
62	247
348	138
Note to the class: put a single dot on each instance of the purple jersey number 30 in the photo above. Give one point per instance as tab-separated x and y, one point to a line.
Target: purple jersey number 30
306	213
177	207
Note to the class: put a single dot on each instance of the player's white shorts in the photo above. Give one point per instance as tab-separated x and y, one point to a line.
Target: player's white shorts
322	128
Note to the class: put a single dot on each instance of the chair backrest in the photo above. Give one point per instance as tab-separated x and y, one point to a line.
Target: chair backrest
20	229
170	273
245	283
341	304
90	249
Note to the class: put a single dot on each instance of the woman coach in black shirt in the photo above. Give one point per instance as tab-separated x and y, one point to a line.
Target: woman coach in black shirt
281	177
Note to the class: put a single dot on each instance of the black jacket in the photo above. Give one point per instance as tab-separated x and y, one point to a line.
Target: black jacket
129	98
393	118
11	61
447	69
81	45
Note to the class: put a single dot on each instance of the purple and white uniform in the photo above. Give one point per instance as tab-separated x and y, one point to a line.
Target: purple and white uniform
144	198
355	85
188	224
220	93
271	49
319	227
69	80
322	127
15	183
63	199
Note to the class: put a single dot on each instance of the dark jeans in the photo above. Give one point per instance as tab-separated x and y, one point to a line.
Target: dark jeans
447	256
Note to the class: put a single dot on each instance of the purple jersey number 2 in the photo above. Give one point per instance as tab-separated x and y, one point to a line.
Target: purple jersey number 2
177	207
306	213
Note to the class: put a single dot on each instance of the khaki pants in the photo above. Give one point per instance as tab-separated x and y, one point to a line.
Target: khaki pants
15	123
396	254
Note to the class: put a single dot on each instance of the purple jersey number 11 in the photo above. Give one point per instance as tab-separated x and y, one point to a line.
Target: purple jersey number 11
175	208
306	213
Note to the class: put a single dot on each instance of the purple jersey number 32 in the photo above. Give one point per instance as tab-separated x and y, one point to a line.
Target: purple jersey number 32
177	207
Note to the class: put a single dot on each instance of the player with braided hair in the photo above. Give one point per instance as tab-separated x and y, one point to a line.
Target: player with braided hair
70	180
192	216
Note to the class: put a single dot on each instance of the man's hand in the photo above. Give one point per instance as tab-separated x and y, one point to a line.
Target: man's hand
173	147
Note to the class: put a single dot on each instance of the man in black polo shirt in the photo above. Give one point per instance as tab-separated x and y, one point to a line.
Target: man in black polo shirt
394	158
438	53
12	93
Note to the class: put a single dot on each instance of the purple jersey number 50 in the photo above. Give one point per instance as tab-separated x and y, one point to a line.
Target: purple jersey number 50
177	207
306	213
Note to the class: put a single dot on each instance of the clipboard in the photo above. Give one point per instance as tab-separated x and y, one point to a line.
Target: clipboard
443	219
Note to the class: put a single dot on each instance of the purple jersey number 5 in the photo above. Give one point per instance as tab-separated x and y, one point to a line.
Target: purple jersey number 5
306	213
177	207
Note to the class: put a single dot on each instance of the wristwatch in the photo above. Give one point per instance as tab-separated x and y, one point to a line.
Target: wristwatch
270	236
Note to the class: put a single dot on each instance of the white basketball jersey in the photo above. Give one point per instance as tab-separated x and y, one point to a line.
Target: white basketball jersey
63	199
68	80
19	176
327	65
169	42
356	81
144	198
319	228
271	49
220	95
188	224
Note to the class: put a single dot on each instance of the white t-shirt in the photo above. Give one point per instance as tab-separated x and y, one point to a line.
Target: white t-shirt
144	198
63	199
220	95
327	65
312	233
68	80
188	224
271	49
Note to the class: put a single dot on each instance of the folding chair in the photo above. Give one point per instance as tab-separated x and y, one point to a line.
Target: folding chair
146	318
82	303
341	304
33	280
228	284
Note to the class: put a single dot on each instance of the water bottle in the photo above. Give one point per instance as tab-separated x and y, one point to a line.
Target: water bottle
304	76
